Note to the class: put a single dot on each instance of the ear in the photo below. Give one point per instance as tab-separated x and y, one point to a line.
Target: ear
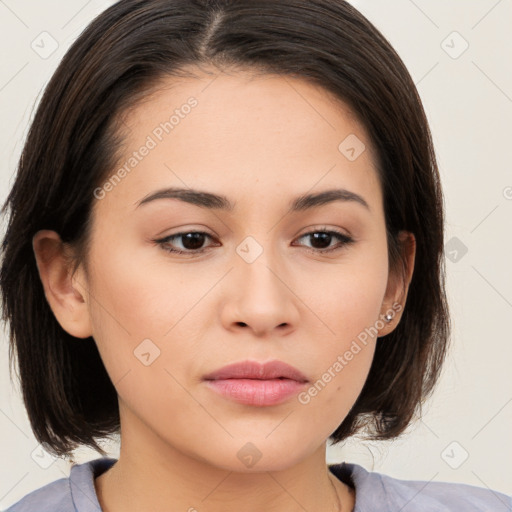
62	290
398	284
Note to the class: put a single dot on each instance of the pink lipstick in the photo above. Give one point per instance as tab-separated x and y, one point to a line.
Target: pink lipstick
257	384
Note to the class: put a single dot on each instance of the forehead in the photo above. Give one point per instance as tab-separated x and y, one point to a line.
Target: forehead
241	132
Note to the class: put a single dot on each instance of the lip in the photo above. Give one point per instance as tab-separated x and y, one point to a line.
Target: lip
254	370
257	384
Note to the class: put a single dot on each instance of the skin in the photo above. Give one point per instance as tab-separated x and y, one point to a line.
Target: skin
260	141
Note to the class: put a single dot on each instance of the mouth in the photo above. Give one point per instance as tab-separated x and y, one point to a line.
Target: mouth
258	371
256	384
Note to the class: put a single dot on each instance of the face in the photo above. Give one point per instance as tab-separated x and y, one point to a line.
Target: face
262	279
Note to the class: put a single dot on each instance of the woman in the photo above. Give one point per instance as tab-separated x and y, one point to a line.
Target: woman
289	139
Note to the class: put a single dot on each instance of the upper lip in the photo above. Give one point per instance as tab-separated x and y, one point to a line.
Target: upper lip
255	370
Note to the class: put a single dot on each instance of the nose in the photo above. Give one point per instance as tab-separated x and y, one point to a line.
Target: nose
261	297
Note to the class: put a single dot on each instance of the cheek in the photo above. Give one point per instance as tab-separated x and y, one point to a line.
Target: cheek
349	304
143	329
139	294
130	304
347	297
341	367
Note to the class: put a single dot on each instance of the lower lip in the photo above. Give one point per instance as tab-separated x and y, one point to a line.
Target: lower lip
257	392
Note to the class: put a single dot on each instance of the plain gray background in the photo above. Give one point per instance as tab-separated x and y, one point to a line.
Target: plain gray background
459	53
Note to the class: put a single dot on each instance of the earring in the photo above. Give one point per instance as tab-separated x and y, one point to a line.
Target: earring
388	318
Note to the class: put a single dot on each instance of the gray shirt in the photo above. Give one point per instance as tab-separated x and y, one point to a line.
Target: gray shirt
374	492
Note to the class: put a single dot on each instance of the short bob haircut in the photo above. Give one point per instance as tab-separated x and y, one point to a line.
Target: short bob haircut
74	140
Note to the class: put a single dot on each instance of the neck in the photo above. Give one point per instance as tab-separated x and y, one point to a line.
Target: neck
152	475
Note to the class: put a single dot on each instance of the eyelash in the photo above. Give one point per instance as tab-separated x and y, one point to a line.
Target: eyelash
344	241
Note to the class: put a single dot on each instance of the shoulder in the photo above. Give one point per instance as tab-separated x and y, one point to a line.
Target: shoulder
75	493
444	496
53	496
376	491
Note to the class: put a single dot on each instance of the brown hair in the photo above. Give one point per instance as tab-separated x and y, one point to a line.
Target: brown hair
73	140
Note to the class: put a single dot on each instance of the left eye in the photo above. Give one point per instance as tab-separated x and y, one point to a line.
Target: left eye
325	237
192	241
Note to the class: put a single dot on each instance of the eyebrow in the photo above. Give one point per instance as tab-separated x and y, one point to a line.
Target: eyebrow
219	202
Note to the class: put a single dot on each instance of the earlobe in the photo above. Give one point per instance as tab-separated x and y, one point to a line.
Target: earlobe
398	284
65	298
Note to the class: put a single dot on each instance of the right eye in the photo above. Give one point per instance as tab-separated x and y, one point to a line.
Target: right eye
191	241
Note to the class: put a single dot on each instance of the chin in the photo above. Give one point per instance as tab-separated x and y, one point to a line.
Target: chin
257	455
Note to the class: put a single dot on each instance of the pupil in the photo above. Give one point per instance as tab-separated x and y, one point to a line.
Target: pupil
193	241
326	237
